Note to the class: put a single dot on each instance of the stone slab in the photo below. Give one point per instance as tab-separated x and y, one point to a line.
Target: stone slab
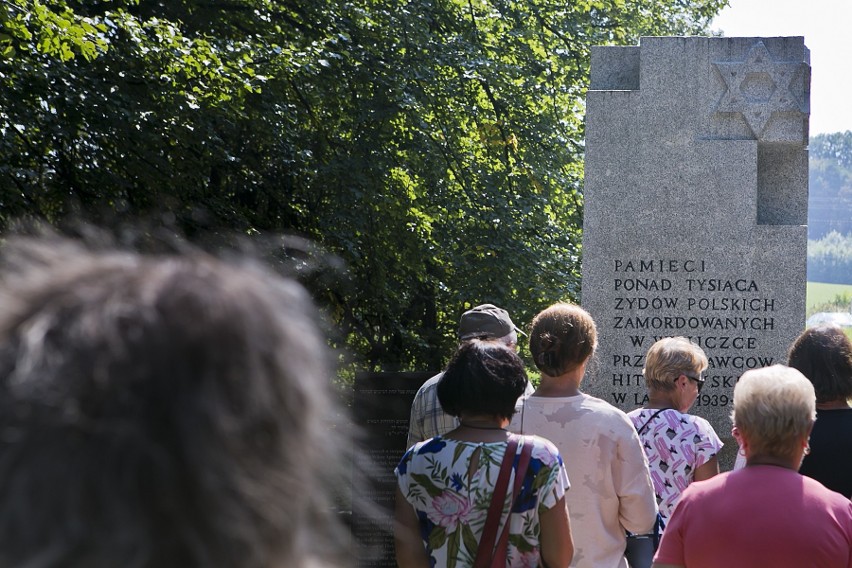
695	208
382	406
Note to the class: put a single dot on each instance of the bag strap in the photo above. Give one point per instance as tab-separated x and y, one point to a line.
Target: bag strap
486	554
659	526
485	551
502	549
648	421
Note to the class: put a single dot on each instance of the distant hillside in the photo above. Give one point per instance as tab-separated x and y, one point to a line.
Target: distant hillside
830	185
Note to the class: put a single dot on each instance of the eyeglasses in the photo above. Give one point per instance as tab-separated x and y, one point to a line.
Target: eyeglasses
699	380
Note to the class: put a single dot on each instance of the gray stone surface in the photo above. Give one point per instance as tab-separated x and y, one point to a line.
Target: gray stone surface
695	207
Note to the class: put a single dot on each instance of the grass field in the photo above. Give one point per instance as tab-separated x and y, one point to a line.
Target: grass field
819	294
820	297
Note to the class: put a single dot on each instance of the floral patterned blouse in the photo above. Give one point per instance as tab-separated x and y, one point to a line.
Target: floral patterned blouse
452	503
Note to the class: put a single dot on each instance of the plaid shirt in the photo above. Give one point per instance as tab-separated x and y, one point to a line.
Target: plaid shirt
428	419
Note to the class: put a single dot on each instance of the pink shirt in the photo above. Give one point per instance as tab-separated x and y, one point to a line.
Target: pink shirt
759	516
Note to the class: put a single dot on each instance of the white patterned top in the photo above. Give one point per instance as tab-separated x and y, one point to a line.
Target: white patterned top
452	502
676	444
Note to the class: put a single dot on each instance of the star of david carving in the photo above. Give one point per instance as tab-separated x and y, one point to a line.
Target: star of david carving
758	87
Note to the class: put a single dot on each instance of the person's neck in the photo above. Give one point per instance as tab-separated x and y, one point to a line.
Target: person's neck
658	401
480	428
561	386
483	423
833	404
762	459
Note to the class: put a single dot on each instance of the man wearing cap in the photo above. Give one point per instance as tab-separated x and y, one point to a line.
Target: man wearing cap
428	419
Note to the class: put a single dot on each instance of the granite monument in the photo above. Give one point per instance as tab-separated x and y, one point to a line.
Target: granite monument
696	198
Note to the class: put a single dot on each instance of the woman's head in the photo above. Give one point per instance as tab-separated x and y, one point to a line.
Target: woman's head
484	377
563	337
774	410
668	359
823	354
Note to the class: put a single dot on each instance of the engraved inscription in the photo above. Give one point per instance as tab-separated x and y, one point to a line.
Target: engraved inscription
657	298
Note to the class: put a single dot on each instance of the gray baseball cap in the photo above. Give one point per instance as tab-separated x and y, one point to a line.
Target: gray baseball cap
487	322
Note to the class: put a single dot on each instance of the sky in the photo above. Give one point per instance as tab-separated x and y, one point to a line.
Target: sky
825	24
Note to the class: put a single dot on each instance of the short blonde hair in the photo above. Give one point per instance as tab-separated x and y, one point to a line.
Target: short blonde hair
562	338
774	407
668	358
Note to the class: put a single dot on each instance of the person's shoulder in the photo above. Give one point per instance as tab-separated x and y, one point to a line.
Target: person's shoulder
835	504
430	384
606	411
701	424
431	446
589	400
541	443
434	445
700	489
832	498
636	412
838	417
543	449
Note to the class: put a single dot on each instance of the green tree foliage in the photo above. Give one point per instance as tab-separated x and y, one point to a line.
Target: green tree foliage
830	208
830	185
435	146
54	30
836	147
830	259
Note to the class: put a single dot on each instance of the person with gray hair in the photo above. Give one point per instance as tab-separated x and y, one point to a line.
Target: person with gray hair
766	514
162	411
428	418
681	448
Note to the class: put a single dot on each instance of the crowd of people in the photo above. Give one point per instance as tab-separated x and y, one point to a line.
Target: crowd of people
627	474
173	410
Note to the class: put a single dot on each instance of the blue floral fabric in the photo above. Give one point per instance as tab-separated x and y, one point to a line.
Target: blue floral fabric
452	500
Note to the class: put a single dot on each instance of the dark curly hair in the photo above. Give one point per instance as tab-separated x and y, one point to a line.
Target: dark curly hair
824	355
562	337
160	412
483	377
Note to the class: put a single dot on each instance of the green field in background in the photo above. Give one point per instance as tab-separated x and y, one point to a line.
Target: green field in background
819	293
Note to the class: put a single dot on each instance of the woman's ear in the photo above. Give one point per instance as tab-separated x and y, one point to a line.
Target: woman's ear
738	436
